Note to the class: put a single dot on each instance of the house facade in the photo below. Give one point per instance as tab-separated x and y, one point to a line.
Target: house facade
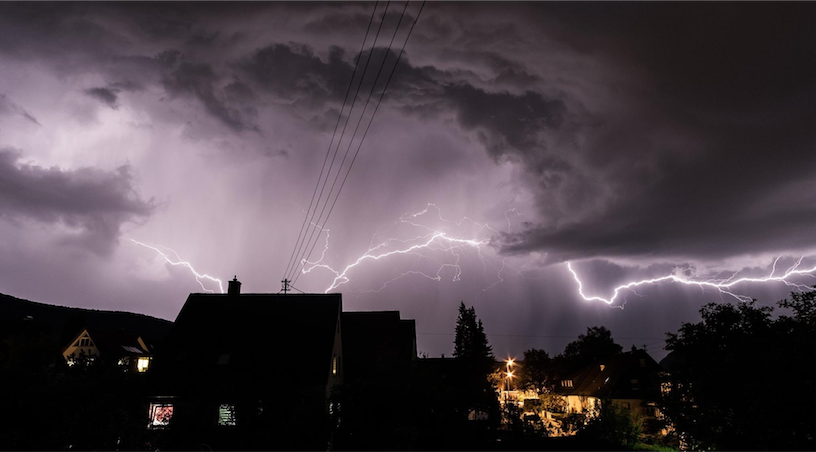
126	350
249	371
630	381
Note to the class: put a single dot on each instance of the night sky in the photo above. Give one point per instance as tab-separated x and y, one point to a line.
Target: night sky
633	140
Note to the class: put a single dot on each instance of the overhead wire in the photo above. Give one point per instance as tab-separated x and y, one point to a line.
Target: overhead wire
317	227
371	119
328	150
351	140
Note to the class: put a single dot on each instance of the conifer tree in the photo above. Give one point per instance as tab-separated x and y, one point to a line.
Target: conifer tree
470	343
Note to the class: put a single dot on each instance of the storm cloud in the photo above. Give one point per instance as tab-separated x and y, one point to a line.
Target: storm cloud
91	202
627	138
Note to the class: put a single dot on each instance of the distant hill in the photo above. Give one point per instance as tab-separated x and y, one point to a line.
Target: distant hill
62	323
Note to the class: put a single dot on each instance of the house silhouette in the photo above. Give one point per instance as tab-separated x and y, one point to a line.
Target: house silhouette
257	371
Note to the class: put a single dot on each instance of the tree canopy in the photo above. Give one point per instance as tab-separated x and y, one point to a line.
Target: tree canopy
596	345
470	342
740	379
537	373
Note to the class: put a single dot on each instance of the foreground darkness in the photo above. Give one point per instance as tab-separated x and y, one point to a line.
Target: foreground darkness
712	388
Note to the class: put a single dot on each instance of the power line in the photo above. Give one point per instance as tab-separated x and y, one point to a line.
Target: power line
351	141
328	150
317	226
371	119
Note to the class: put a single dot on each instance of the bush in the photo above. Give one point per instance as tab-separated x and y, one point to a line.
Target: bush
612	427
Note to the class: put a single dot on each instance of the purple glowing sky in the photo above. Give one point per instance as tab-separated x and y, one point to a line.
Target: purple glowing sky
632	140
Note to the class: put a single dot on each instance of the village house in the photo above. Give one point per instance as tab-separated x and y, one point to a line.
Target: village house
630	381
128	350
247	371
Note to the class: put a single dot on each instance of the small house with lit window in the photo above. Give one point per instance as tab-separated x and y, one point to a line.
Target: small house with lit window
248	371
630	381
126	350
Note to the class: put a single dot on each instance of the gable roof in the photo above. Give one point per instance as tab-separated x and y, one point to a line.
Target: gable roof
113	343
253	334
629	375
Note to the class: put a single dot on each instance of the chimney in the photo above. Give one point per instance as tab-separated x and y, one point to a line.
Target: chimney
234	287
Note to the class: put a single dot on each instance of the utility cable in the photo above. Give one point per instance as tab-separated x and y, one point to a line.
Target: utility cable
336	125
368	126
290	272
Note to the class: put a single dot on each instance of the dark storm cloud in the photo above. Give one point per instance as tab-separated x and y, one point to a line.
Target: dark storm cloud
93	201
105	95
511	122
294	73
110	94
720	160
9	107
701	147
200	81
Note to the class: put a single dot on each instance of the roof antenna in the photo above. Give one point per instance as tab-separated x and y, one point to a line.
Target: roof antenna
285	287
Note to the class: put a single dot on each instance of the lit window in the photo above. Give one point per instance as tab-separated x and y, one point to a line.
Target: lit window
226	415
566	383
160	414
142	364
603	367
334	365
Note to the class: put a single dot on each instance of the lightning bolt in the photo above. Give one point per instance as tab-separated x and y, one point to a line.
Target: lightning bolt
723	286
433	239
179	261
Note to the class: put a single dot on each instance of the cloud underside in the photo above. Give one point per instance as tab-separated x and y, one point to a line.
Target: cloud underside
672	155
91	203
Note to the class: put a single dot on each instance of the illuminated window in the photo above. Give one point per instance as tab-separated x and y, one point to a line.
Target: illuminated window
160	414
603	367
142	364
334	365
566	383
226	415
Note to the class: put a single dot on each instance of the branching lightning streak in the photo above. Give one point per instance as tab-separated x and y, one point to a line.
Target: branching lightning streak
723	286
179	261
444	240
435	240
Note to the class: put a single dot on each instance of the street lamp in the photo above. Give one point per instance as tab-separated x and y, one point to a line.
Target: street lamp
510	363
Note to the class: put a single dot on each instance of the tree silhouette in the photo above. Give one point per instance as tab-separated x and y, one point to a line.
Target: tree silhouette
537	373
594	346
727	372
470	342
475	363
